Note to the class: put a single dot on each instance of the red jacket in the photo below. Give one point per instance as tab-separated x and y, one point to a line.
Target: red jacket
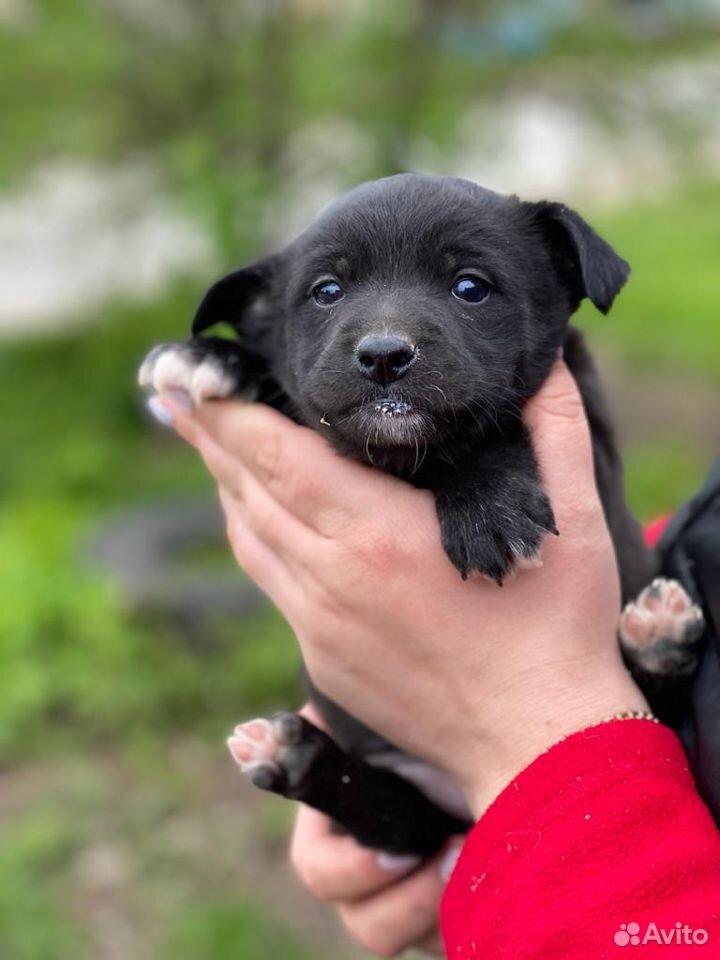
601	845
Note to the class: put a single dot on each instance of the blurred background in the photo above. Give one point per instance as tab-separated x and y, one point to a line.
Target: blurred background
148	145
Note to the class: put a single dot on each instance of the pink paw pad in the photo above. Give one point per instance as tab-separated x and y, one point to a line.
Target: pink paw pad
660	626
264	748
254	743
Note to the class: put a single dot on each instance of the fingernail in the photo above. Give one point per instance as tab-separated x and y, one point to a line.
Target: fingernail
396	864
560	353
159	411
180	398
447	864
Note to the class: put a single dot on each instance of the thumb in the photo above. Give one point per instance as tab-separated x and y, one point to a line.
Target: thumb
561	435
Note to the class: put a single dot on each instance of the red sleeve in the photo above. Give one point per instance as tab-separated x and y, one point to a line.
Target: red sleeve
601	843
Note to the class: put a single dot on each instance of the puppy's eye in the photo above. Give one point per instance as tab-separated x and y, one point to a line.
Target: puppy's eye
328	292
470	289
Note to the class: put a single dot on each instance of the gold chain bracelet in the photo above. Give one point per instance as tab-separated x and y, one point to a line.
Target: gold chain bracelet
632	715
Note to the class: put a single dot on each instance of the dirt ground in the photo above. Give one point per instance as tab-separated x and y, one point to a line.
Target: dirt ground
146	838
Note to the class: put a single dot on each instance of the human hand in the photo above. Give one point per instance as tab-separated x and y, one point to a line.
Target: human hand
388	904
475	679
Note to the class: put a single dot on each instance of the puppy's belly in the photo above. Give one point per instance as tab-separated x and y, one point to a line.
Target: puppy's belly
437	785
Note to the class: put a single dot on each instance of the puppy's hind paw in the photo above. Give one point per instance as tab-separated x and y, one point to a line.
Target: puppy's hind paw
660	629
275	753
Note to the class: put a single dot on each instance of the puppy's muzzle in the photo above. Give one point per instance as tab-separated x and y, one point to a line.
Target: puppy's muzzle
384	359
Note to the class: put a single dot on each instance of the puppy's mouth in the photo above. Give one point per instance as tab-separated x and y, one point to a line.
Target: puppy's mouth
393	408
384	422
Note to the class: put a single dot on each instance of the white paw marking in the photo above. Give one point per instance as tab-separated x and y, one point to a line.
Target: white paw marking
523	559
265	743
658	631
172	366
255	744
662	612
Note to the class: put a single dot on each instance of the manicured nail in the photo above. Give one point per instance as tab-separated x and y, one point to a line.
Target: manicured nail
447	864
396	864
180	398
159	411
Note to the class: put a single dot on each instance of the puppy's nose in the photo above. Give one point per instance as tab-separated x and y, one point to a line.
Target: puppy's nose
384	358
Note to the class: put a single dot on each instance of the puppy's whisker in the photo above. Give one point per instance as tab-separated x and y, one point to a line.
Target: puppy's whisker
419	462
475	417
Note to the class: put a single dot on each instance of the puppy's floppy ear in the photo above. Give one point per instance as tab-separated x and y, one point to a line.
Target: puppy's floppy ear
586	262
229	299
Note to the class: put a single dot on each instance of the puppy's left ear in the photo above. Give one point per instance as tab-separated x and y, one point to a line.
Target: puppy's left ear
586	263
233	297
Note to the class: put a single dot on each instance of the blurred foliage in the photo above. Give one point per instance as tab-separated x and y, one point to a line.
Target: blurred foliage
666	320
33	925
660	475
212	91
68	650
229	929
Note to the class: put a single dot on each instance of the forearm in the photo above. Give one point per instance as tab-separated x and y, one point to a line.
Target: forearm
604	829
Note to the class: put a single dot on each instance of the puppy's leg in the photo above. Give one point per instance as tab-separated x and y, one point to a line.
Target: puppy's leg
288	755
659	631
208	368
492	510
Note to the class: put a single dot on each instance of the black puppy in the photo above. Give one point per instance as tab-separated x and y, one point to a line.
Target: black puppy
410	323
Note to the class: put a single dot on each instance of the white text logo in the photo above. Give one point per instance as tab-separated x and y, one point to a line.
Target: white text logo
631	934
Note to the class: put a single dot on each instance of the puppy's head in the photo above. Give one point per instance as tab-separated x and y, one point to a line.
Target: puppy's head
416	305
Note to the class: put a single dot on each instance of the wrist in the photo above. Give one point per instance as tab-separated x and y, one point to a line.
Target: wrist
542	723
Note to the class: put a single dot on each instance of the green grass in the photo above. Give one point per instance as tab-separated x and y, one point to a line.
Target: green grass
661	475
34	924
71	655
82	445
667	319
94	697
134	842
231	928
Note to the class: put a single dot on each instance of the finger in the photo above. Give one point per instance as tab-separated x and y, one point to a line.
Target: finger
431	946
336	868
279	529
297	545
249	507
560	431
227	469
262	564
561	438
311	713
402	916
295	463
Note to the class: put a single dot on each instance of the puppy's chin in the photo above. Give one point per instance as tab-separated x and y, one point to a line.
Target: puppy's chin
384	424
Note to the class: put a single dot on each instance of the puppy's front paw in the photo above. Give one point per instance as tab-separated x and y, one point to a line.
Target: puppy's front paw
207	369
495	536
660	629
